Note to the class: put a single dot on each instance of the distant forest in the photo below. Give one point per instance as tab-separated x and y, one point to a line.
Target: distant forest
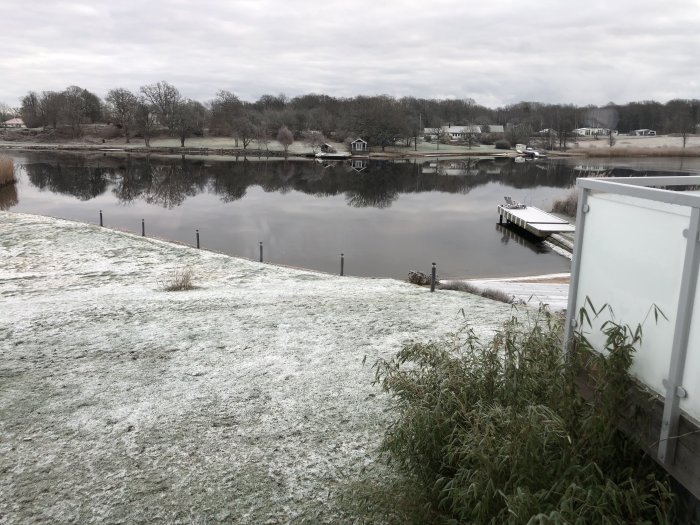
381	120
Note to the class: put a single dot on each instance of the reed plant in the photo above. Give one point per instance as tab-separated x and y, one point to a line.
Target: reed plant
497	432
660	151
8	196
489	293
7	170
180	280
567	205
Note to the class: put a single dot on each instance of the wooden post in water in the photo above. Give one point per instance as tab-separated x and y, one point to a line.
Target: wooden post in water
197	238
143	228
432	279
261	253
101	218
342	263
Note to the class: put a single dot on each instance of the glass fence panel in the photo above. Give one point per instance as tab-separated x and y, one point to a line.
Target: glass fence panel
632	258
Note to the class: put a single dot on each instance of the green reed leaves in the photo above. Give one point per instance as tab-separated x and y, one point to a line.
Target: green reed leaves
498	431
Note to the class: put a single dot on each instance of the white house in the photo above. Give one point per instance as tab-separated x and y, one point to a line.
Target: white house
594	132
359	146
461	132
14	123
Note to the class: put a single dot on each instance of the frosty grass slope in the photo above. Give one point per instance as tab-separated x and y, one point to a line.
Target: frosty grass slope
245	400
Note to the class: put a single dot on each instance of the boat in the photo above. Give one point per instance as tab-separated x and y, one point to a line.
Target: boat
529	152
341	155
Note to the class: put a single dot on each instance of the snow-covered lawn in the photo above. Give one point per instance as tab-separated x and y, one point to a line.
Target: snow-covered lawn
246	400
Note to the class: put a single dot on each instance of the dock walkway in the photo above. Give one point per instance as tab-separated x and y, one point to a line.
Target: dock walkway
534	220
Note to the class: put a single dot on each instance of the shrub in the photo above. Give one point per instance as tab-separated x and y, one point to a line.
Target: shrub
497	433
7	170
487	139
502	144
180	280
567	205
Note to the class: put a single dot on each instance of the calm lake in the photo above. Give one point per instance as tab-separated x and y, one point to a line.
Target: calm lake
386	217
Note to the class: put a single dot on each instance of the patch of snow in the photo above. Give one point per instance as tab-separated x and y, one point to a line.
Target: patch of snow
247	399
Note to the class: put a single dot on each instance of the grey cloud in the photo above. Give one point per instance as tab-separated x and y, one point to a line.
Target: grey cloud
497	52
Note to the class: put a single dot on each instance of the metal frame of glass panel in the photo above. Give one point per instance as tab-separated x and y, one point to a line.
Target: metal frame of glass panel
646	188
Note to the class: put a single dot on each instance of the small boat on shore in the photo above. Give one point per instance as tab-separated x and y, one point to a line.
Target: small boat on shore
529	152
342	155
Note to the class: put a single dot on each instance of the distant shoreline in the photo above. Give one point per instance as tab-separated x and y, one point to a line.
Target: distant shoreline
625	146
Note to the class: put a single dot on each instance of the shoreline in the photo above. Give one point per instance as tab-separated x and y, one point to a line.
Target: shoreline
235	153
627	147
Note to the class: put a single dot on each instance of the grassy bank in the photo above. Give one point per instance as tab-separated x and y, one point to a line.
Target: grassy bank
637	152
247	399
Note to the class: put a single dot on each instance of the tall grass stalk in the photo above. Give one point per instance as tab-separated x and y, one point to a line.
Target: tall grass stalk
659	151
180	280
497	432
7	170
567	205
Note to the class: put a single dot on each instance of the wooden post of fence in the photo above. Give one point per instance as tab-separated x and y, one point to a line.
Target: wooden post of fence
432	279
197	238
261	254
342	263
143	228
101	218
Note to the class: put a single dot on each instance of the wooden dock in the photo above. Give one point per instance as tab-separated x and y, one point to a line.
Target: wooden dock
534	220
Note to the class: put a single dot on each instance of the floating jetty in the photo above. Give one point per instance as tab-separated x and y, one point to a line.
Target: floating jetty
533	220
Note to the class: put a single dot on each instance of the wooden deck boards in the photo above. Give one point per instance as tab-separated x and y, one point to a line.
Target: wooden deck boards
534	220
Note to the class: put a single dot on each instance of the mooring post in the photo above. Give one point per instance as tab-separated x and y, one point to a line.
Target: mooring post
432	279
143	228
261	257
342	263
100	217
197	238
500	218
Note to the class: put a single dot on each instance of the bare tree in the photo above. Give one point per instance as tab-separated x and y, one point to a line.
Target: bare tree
50	107
286	138
145	120
165	100
189	119
262	137
6	112
314	139
74	109
244	129
225	109
122	105
31	110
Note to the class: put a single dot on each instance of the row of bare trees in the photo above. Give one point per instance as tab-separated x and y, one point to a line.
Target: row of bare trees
381	120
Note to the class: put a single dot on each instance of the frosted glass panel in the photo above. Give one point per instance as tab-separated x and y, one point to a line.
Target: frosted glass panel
632	257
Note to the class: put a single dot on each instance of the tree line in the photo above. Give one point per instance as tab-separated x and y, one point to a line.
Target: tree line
381	120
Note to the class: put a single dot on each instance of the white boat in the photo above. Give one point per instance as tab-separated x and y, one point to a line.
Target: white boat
529	152
342	155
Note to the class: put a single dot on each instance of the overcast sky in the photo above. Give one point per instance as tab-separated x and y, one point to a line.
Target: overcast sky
494	51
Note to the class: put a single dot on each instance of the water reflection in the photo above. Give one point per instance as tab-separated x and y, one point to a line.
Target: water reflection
387	217
169	182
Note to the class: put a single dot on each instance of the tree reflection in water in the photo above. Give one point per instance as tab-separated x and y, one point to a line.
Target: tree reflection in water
168	182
